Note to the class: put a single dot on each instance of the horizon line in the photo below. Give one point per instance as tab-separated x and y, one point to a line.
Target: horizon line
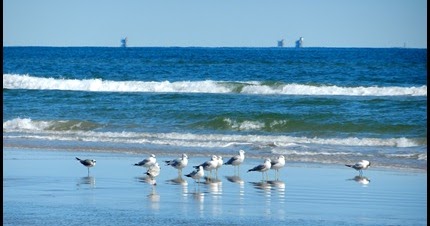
275	47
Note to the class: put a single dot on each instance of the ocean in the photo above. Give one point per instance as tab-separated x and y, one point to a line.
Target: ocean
313	105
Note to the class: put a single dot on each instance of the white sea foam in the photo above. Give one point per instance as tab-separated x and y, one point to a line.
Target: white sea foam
17	81
245	125
311	153
299	89
25	124
41	130
14	81
410	155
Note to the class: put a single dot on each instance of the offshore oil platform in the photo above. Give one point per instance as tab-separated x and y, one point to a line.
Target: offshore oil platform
298	43
124	42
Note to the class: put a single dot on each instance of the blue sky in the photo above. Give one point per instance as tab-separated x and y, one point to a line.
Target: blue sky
215	23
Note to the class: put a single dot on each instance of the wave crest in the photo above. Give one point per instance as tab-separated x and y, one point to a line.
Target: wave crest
29	125
83	131
17	81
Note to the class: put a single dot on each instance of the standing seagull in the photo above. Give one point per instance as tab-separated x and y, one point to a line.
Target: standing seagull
153	170
197	174
147	162
236	160
277	164
220	163
263	167
360	166
178	163
88	163
209	165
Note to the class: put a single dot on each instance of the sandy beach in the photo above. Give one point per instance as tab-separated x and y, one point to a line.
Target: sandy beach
52	188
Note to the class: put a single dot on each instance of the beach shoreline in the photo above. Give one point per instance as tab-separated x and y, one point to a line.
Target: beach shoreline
51	187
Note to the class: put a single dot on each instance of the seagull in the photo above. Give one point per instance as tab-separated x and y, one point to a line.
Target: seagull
87	162
263	167
360	166
209	165
277	164
178	163
153	170
147	162
220	163
236	160
197	174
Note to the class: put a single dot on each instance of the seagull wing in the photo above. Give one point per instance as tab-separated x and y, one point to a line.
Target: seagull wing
232	159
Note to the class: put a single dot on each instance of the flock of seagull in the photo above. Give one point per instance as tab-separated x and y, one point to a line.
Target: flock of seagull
153	168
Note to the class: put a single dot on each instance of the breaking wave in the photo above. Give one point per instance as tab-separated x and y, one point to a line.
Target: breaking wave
17	81
83	131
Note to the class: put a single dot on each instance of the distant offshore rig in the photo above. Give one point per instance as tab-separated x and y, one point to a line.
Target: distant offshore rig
298	43
124	42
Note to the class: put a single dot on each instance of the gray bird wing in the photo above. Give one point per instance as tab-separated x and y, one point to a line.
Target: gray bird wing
258	168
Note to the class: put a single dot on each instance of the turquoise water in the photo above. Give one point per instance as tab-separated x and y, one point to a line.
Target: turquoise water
323	105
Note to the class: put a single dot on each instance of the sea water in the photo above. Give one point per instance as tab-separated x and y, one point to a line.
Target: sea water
323	105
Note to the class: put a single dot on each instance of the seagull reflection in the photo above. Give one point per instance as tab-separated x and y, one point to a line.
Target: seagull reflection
264	186
215	189
277	183
154	198
280	187
210	180
198	196
147	179
184	190
91	181
235	179
178	180
361	180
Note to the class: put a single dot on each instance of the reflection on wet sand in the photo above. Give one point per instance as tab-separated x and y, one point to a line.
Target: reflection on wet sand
147	179
280	187
278	184
274	191
215	188
199	197
267	186
263	186
210	180
154	198
178	180
89	180
361	180
235	179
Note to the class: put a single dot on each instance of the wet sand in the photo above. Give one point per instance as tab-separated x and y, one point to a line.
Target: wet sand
52	188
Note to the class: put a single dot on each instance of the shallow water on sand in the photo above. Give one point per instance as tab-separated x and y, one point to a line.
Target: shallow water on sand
52	188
